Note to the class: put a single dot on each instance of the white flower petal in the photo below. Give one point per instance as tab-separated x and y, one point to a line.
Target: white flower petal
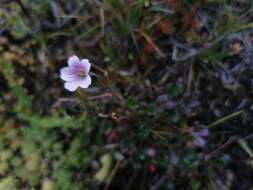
67	74
66	70
199	141
71	85
68	78
73	60
86	65
85	83
72	74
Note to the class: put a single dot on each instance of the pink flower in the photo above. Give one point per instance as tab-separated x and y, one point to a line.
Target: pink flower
76	74
151	152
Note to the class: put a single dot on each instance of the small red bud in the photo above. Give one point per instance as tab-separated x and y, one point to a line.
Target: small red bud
112	136
152	168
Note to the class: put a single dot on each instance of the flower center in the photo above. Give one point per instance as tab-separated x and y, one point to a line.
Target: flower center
82	74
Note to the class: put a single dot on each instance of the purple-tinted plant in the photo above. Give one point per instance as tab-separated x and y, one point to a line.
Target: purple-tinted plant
76	74
151	152
199	137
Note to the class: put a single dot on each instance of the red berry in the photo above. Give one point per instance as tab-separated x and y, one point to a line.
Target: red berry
112	136
152	168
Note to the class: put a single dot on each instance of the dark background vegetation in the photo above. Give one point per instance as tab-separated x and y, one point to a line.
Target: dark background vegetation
170	106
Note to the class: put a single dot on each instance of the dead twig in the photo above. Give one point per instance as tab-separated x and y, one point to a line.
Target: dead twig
159	52
25	10
230	141
61	101
190	77
101	96
223	147
192	52
114	171
159	183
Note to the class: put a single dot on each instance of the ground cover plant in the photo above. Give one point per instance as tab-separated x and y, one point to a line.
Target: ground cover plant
126	94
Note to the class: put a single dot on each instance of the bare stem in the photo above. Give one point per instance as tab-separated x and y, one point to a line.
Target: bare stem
225	118
24	9
114	171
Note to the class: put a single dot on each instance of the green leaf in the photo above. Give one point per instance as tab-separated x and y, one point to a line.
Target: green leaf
136	12
103	172
246	147
175	90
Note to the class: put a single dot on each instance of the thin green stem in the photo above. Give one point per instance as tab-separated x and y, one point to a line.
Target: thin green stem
82	95
225	118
